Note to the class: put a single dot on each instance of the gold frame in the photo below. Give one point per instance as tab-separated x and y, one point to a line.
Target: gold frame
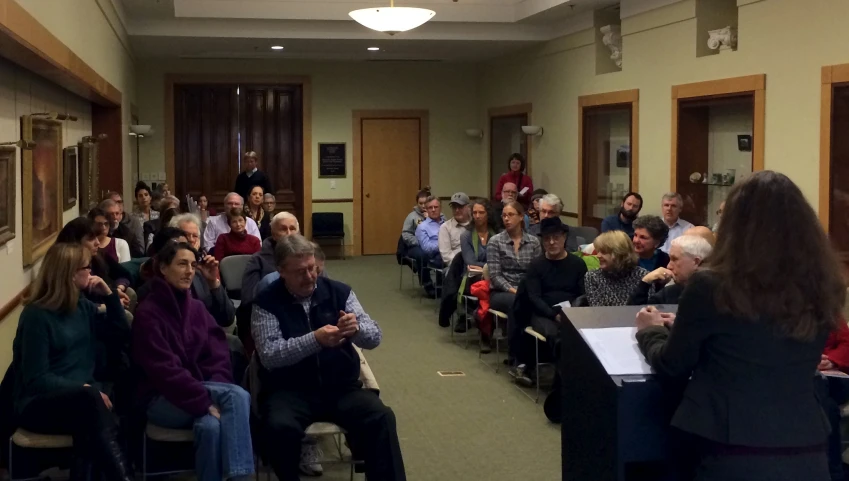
7	232
32	252
88	171
69	179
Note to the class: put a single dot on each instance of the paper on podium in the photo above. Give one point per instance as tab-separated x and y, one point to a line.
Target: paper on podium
562	305
616	348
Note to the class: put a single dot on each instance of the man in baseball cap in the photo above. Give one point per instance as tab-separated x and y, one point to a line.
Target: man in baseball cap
451	231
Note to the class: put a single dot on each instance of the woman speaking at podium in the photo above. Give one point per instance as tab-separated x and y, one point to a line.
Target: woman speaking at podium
750	331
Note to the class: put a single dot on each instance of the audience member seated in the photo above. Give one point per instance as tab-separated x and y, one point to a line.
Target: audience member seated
552	278
205	287
251	177
115	249
269	205
749	333
703	232
521	181
254	210
685	256
151	227
427	234
123	226
83	232
305	329
220	225
144	210
508	255
410	246
320	259
189	224
834	392
671	206
54	355
533	213
550	206
618	273
448	238
237	241
649	234
474	241
187	380
262	263
623	220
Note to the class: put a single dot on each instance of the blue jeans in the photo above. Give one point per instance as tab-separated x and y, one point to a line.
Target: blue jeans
223	448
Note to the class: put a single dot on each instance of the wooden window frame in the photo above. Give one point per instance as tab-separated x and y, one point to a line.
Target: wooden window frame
832	76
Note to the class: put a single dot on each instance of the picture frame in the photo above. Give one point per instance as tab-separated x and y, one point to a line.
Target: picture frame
41	187
8	160
744	143
332	160
89	190
69	176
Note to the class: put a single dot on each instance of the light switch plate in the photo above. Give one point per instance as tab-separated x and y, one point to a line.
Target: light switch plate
332	184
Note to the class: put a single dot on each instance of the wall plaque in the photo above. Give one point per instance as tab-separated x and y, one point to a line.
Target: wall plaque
331	159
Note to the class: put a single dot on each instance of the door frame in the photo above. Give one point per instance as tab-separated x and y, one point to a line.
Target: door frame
357	117
306	121
619	97
754	85
832	76
507	111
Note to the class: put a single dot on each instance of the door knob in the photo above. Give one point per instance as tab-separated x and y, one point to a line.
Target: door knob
368	196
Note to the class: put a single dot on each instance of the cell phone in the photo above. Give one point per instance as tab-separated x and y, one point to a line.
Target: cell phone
200	256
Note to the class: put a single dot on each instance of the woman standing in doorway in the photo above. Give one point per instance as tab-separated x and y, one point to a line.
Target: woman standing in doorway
516	174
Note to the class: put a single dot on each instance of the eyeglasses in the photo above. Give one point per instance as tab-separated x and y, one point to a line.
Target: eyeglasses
101	224
85	268
509	215
509	192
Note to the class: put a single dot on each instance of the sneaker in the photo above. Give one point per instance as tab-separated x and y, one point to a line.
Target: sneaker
310	457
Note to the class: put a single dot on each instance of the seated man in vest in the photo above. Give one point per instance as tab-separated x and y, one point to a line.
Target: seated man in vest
305	328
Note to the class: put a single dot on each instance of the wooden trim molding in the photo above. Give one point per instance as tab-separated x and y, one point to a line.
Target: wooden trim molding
13	303
28	43
507	111
573	215
604	99
831	75
357	117
332	201
306	91
755	85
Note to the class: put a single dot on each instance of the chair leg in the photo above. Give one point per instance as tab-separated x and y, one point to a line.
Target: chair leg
11	457
536	349
144	455
401	276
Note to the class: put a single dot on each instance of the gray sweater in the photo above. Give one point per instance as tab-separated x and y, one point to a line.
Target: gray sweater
408	232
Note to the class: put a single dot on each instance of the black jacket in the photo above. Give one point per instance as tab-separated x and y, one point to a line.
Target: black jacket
664	295
259	265
750	386
244	184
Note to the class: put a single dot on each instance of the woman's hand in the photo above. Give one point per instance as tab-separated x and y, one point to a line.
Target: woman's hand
209	269
125	299
105	398
215	412
826	364
96	285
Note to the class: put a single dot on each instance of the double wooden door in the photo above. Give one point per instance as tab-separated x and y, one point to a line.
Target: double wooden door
215	124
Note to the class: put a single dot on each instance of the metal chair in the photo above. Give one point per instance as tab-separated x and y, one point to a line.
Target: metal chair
588	233
232	269
455	319
329	225
28	440
538	338
164	435
497	336
407	262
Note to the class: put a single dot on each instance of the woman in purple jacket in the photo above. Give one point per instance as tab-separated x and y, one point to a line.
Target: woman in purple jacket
187	377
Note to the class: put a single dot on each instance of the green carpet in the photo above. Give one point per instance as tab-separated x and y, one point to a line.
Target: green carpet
476	427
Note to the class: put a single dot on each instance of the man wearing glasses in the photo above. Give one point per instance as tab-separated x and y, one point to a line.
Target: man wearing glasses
427	233
127	226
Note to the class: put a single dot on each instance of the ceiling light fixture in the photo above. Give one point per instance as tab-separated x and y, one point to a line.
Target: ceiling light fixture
276	47
373	49
392	19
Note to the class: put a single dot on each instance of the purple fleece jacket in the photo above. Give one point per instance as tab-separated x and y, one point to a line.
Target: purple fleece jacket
178	345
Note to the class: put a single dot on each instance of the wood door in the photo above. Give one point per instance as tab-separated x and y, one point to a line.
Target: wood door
271	125
110	150
391	166
838	228
206	150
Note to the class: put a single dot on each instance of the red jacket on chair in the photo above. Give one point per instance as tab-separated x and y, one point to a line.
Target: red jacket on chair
480	289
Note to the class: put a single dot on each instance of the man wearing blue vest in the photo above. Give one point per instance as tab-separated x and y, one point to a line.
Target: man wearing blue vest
305	327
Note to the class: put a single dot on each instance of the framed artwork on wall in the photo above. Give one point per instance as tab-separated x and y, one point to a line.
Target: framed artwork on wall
41	187
8	158
69	176
89	193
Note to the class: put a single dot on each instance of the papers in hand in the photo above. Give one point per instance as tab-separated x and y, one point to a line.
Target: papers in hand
834	373
523	191
562	305
616	348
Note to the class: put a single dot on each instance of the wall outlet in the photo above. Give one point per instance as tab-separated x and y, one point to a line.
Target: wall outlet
332	184
145	176
161	176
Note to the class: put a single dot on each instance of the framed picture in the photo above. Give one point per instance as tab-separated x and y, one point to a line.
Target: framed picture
331	160
8	159
89	193
69	176
744	143
41	187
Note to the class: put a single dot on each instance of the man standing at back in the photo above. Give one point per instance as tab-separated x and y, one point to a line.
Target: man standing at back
630	208
671	206
452	229
251	176
218	225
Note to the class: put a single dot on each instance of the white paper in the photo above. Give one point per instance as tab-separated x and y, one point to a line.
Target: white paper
563	305
616	348
523	191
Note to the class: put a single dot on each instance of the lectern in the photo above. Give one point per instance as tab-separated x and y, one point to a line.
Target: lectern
610	424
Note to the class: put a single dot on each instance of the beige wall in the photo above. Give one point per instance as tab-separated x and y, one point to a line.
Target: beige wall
787	40
84	28
447	91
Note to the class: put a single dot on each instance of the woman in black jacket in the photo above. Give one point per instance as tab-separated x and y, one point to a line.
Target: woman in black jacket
749	334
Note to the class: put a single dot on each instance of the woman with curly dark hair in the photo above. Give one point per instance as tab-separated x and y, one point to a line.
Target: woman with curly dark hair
650	233
749	333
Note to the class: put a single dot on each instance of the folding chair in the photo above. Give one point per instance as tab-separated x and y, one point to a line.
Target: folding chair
407	262
466	300
29	440
538	338
497	336
232	269
165	435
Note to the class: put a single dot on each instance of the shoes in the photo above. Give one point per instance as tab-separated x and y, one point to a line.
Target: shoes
486	342
460	327
521	376
310	460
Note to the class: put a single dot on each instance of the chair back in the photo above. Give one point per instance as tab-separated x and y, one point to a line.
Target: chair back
588	233
328	225
232	268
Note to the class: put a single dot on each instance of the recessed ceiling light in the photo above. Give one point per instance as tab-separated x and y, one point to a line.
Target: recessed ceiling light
276	47
374	49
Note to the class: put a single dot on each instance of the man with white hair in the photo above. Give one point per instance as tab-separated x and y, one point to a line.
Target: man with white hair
685	256
190	225
218	225
550	207
671	206
130	224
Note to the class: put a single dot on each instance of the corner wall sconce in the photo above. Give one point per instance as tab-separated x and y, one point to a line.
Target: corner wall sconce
23	144
535	130
475	133
55	116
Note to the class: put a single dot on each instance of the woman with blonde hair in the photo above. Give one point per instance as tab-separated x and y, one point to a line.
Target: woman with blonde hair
55	354
618	274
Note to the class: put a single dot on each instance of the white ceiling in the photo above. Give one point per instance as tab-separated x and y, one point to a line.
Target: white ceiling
462	30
